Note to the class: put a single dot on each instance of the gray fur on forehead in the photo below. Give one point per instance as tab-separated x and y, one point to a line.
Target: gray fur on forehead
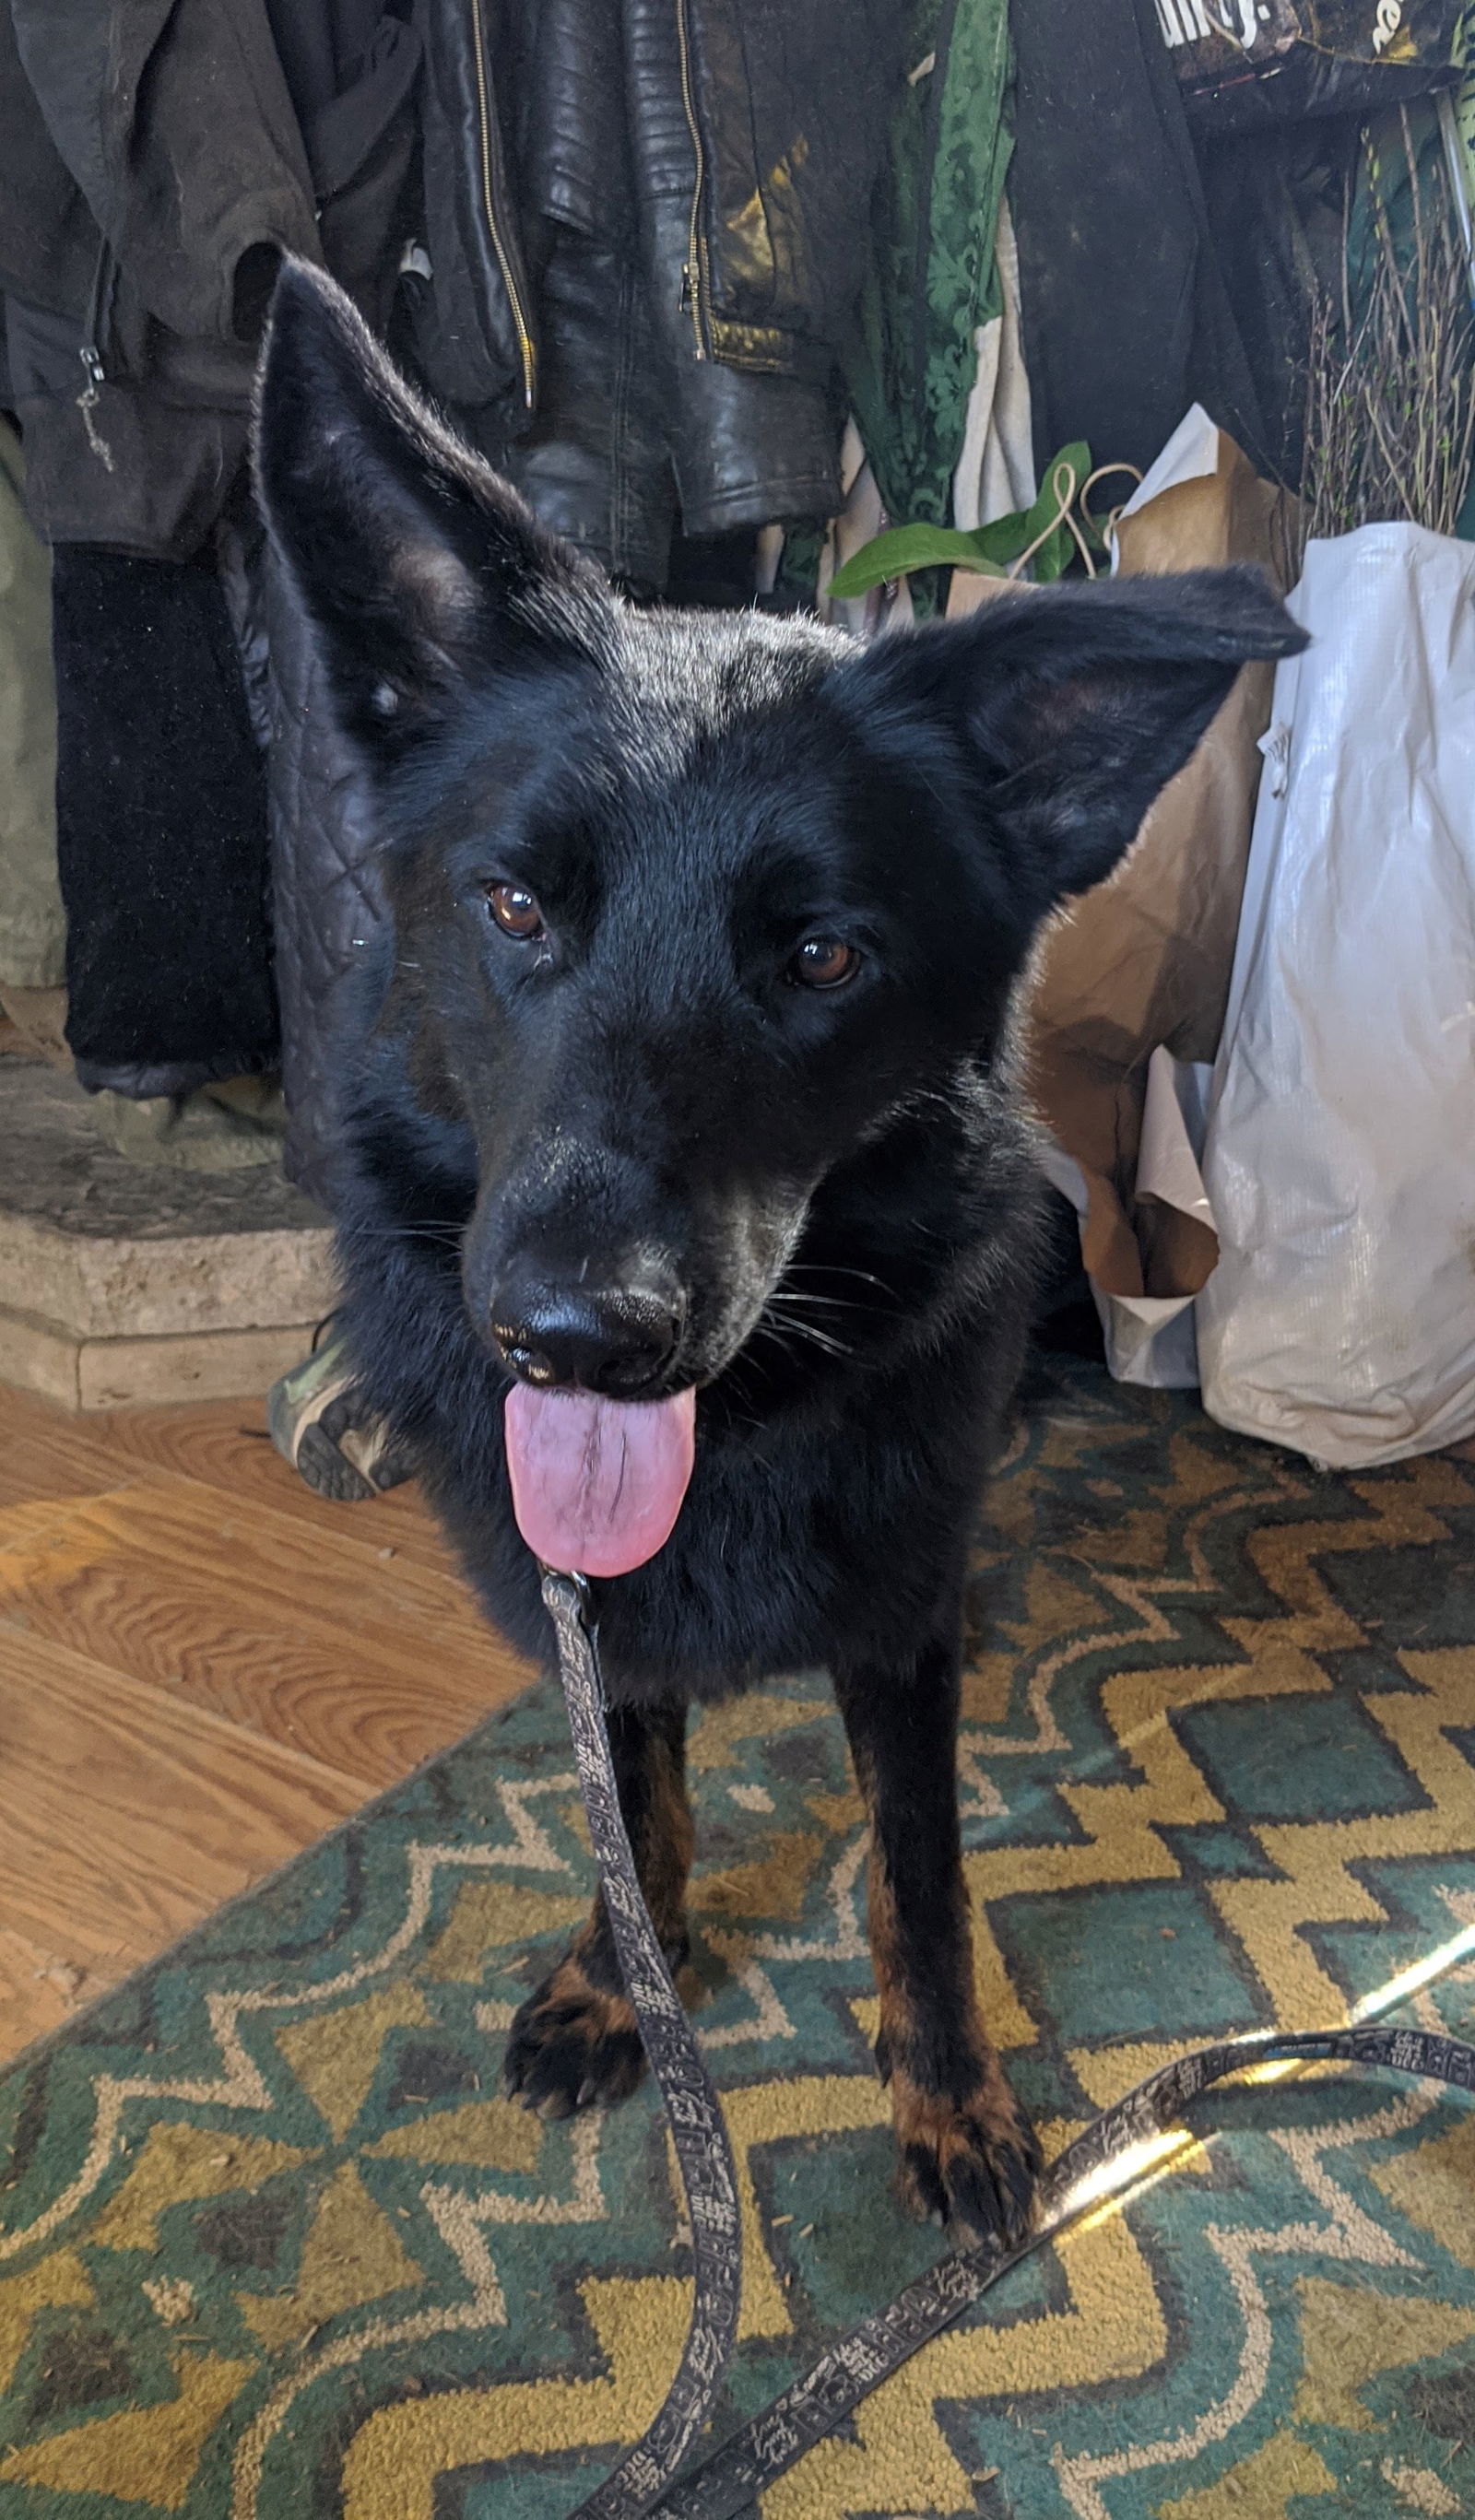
700	670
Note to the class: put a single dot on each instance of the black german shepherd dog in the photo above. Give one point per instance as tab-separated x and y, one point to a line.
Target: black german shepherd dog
689	1232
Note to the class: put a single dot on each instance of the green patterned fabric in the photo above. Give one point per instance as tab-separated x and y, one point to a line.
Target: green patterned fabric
272	2247
933	279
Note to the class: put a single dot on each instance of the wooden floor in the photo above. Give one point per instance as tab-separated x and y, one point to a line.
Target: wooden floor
202	1667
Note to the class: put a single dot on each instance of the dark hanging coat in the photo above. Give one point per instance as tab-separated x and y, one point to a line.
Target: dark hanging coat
620	241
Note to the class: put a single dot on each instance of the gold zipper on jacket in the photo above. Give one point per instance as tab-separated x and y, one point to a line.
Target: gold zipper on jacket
695	272
525	348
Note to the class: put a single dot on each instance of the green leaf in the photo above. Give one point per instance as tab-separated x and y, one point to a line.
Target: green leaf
1055	554
1078	455
1005	537
987	549
908	547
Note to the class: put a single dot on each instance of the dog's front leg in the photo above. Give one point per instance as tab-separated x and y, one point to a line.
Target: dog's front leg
968	2153
574	2043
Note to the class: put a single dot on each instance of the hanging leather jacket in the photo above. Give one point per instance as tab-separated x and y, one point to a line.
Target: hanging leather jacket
648	292
635	246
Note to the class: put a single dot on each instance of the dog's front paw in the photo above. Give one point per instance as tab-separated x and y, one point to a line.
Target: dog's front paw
572	2045
970	2163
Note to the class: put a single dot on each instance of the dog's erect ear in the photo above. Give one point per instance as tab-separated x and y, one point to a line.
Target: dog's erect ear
419	566
1075	705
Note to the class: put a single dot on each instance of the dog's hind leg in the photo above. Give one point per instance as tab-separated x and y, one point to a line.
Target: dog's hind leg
574	2043
967	2152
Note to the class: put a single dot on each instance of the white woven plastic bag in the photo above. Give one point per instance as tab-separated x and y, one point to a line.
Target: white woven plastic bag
1340	1153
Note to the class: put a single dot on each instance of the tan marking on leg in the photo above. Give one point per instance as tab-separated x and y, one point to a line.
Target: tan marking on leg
968	2156
576	2040
666	1841
898	2024
573	2042
571	1990
970	2162
943	2126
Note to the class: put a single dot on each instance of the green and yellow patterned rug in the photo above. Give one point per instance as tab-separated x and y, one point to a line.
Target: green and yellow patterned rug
273	2248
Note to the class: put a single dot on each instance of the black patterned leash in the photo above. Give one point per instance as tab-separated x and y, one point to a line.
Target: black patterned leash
693	2112
729	2484
1097	2164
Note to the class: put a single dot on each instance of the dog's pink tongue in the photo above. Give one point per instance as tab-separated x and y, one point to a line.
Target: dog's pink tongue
598	1484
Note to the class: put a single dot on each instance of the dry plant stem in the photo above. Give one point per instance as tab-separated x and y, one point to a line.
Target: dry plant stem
1390	406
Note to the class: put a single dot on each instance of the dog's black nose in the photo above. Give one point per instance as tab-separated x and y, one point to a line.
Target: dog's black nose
611	1339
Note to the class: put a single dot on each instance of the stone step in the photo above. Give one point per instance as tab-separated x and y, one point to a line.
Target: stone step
123	1282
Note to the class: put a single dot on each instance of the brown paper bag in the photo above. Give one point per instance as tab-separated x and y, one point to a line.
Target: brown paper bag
1143	961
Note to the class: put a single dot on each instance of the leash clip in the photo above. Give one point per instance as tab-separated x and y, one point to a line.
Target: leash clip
567	1593
579	1585
585	1594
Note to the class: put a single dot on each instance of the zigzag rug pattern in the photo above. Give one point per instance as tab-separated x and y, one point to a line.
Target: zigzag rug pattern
273	2247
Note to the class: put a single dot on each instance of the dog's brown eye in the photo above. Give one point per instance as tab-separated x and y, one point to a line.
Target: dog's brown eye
514	911
824	962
